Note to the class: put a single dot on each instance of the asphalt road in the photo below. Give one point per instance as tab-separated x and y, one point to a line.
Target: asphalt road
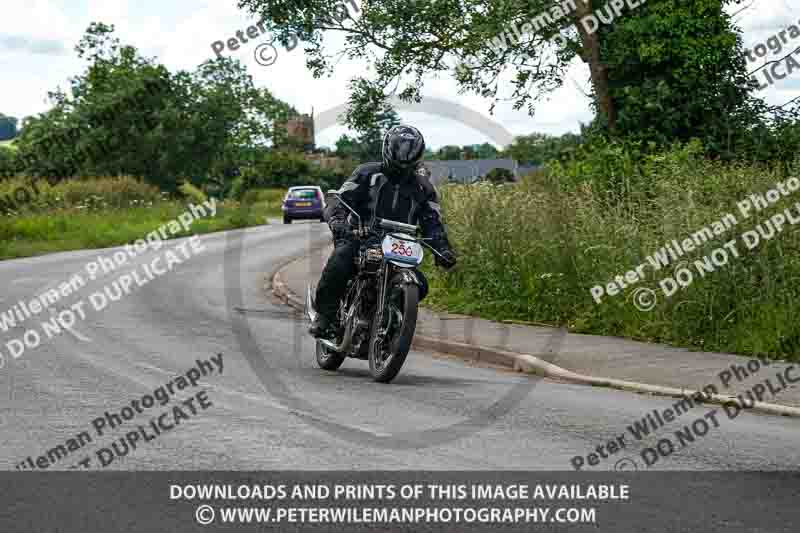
272	408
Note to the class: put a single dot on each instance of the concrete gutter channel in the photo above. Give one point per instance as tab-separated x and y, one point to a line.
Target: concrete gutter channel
527	363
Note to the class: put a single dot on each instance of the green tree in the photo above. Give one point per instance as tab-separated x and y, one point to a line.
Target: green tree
539	148
276	168
500	175
486	151
347	147
528	149
372	131
449	152
279	168
9	164
126	114
369	141
677	71
694	39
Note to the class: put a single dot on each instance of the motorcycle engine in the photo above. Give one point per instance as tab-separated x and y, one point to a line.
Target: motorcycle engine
373	258
363	323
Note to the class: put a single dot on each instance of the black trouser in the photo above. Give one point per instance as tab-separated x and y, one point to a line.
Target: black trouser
338	270
333	281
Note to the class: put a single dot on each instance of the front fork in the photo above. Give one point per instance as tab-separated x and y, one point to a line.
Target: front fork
381	332
409	277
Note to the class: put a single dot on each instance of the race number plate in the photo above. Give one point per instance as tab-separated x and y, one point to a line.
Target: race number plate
400	250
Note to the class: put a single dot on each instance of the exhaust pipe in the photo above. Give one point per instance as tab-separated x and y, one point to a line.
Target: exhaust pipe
309	307
344	346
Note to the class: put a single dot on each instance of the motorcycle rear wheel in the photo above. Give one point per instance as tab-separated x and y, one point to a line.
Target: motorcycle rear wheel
386	360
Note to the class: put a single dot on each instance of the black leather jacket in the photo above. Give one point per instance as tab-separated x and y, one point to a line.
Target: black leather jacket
372	192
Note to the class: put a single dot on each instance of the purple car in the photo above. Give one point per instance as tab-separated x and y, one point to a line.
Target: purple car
303	203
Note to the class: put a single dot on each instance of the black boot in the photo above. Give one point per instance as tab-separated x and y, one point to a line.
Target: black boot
321	327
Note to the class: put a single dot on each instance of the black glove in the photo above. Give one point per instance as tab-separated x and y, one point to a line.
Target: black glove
342	232
447	260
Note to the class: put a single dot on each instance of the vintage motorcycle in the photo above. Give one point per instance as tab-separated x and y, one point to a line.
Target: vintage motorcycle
378	314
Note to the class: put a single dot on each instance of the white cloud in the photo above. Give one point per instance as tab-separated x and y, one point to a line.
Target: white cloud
31	45
36	19
180	34
763	16
109	11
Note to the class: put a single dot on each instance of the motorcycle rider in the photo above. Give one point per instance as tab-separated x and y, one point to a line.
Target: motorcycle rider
397	189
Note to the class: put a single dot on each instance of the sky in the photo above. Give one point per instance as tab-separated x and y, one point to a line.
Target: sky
37	39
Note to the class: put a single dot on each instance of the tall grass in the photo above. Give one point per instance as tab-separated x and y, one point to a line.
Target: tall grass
98	213
532	252
91	194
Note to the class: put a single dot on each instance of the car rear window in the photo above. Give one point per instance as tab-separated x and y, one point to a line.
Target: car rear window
303	194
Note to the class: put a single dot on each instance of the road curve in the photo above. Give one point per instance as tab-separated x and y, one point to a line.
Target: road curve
272	408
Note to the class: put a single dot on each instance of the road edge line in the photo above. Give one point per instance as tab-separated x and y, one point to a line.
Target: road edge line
530	364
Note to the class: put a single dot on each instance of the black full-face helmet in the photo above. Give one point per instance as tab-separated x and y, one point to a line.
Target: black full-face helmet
403	148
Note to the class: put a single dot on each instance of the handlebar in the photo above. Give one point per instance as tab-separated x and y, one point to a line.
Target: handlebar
390	226
400	227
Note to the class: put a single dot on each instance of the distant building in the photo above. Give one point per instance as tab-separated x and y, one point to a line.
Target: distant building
297	132
330	162
472	170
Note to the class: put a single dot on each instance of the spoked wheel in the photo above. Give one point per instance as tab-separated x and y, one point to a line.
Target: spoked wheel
387	356
327	359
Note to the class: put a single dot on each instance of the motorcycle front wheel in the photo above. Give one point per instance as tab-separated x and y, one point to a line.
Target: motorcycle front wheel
400	319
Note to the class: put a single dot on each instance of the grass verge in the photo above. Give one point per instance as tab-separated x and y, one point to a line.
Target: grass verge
532	252
67	230
39	218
